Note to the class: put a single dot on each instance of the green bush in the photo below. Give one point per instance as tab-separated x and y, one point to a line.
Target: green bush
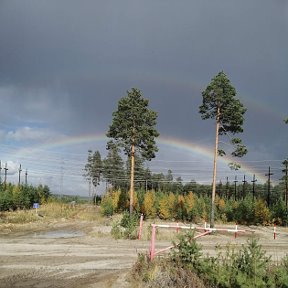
252	264
229	210
245	211
246	268
116	230
107	206
279	213
187	252
127	227
281	274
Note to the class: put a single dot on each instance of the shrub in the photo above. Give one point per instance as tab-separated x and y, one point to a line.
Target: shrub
6	201
203	208
229	210
149	204
221	206
187	252
180	211
116	230
107	206
163	273
189	204
262	213
246	268
244	214
115	195
281	274
172	205
187	267
164	211
252	264
279	213
127	227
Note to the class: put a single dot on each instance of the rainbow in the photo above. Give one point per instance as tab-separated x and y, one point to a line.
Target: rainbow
208	154
175	144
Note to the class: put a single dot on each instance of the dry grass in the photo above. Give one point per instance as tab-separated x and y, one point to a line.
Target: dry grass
18	217
24	220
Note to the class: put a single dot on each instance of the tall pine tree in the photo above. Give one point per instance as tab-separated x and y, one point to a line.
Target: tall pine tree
219	103
133	129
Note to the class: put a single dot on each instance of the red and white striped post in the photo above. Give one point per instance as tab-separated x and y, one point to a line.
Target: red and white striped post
274	231
140	227
177	229
152	246
236	229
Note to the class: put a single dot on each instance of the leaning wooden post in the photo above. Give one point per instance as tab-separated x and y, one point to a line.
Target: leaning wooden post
140	227
152	245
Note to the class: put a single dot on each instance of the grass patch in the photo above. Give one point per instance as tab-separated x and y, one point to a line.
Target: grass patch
18	217
53	211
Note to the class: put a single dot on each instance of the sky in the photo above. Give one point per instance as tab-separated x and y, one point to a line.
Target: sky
65	64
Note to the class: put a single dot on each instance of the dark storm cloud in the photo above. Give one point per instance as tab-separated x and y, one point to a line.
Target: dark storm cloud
84	55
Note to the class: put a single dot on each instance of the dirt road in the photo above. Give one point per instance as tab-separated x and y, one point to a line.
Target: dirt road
66	255
80	254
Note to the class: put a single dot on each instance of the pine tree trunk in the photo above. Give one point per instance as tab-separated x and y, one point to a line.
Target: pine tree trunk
132	179
212	215
286	188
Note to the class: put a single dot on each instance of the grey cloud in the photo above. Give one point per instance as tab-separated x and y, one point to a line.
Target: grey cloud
65	64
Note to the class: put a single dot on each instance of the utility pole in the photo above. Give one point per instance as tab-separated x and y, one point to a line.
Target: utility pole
89	183
227	188
244	187
235	188
26	175
269	186
0	173
61	177
286	183
220	188
19	176
5	174
253	187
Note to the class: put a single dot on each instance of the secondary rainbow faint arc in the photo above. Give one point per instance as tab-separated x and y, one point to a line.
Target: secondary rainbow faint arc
165	140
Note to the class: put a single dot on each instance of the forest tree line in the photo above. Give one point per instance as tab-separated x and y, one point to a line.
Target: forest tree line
15	196
115	171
